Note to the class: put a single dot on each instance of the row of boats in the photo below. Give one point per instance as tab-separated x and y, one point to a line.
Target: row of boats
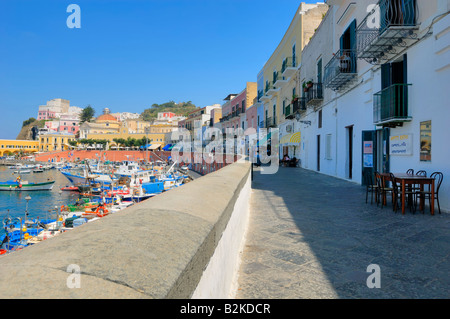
104	188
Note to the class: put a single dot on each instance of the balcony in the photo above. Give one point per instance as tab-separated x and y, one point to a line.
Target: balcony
294	108
341	71
270	122
390	106
271	89
314	94
380	41
289	67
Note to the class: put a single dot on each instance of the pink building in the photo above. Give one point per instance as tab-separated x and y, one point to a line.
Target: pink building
69	124
252	117
46	115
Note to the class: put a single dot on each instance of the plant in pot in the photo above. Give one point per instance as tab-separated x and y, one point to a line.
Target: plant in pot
305	87
294	98
309	84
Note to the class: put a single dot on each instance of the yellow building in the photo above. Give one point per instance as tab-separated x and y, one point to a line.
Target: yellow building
13	147
280	71
104	124
156	139
55	141
135	126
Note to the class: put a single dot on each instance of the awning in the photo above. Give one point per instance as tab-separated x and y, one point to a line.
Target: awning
154	146
145	146
291	139
168	147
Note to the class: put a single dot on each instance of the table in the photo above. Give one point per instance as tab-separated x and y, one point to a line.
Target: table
408	179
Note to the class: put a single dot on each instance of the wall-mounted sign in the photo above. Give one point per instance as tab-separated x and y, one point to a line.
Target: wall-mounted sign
368	147
401	145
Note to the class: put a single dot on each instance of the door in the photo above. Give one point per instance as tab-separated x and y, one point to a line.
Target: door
385	167
318	153
350	151
369	154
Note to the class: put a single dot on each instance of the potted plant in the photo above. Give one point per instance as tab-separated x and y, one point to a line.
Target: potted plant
309	84
294	98
305	87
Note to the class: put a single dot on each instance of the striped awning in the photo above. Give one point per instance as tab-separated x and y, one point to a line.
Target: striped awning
291	139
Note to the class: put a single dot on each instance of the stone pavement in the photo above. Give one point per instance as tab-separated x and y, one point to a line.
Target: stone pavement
313	236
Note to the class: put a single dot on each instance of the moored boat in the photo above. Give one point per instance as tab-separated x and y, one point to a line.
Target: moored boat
25	186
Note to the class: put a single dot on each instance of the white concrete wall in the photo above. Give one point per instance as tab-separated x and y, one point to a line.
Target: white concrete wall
219	280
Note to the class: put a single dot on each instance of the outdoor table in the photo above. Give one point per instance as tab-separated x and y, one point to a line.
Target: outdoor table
408	179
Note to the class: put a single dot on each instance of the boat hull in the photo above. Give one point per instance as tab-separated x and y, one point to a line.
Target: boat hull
16	187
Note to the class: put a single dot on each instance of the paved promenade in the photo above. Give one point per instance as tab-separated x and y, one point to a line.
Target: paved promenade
313	236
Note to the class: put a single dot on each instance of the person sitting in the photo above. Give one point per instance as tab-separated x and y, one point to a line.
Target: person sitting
293	162
285	160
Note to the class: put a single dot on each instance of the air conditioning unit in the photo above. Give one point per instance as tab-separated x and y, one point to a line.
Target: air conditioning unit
288	128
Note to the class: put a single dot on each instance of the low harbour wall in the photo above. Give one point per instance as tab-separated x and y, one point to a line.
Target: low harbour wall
184	243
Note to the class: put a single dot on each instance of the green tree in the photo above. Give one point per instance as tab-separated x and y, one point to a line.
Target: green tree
29	121
87	114
183	108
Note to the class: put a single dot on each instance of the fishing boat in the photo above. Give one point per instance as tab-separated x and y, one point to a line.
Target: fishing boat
38	170
18	185
70	188
23	171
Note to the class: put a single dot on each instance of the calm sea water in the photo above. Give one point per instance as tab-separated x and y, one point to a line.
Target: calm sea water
41	201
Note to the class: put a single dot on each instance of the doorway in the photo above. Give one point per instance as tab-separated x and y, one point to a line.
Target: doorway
350	151
318	153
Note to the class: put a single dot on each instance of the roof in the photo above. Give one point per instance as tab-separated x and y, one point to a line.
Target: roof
106	117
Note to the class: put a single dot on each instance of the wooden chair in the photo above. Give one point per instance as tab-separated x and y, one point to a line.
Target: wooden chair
396	189
371	187
426	194
382	189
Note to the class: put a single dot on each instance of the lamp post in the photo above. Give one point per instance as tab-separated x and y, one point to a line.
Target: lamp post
28	198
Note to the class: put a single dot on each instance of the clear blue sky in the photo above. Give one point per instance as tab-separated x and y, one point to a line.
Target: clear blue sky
130	54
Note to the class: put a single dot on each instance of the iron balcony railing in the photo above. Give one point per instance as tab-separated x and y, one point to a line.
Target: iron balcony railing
270	122
260	94
289	62
287	111
314	93
341	70
390	105
387	30
298	104
269	85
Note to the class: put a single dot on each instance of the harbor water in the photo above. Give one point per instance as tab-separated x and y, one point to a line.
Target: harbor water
42	203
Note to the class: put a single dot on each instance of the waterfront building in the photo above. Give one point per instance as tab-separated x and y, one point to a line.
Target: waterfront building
239	105
59	141
14	147
226	113
277	81
104	124
378	96
53	109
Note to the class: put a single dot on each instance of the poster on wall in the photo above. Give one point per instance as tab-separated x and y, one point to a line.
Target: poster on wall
368	160
368	147
425	141
401	145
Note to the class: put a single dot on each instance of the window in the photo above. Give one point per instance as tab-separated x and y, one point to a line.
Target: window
425	141
293	56
320	119
319	71
328	146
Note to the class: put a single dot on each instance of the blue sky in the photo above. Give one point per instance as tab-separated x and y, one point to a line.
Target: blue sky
129	54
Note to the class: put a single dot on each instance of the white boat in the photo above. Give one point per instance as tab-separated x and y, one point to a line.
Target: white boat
23	171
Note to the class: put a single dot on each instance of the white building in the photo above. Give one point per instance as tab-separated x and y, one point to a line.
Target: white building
380	91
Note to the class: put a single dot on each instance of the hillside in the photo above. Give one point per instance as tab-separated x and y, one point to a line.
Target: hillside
25	133
183	108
